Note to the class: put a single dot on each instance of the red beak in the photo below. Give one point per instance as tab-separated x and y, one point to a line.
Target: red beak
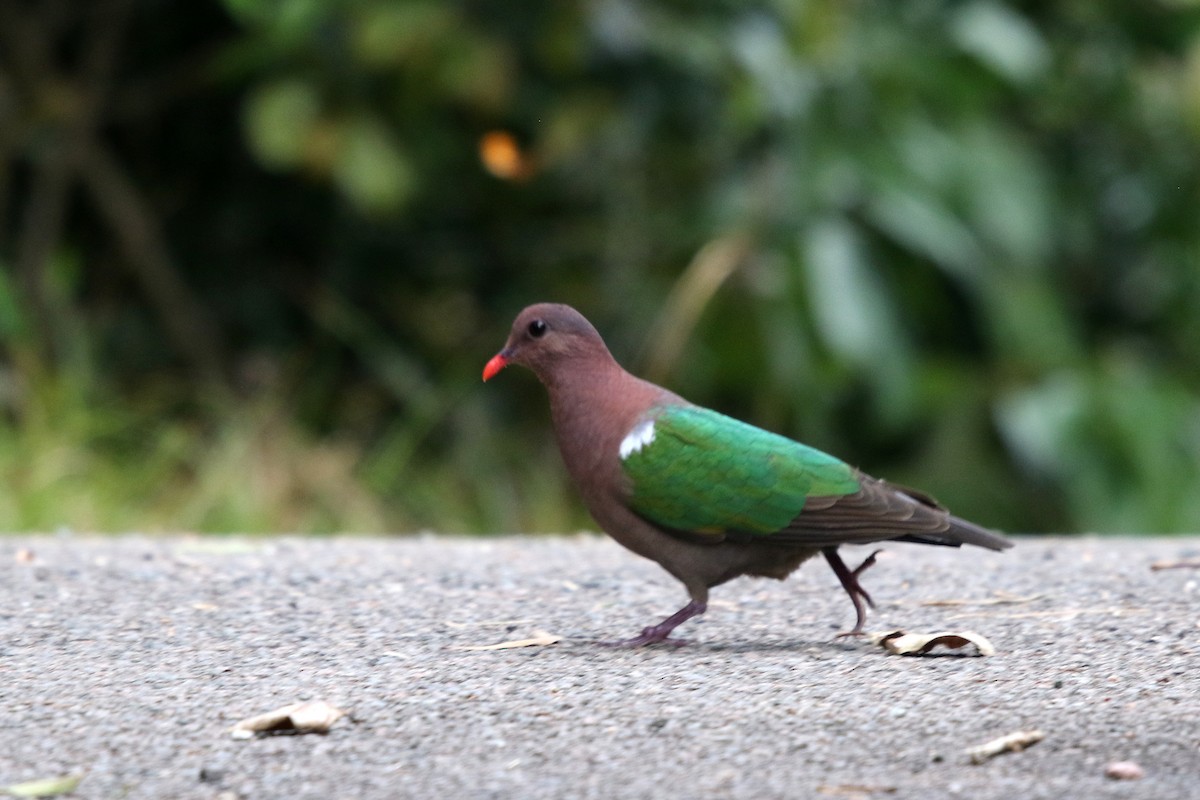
497	363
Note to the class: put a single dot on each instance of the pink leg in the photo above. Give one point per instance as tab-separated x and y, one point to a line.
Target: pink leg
662	631
849	581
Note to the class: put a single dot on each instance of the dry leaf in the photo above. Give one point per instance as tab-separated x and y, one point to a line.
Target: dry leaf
1013	742
315	716
1124	771
539	638
901	643
43	787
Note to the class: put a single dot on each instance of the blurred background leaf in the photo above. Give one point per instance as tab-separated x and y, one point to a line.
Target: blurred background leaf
254	253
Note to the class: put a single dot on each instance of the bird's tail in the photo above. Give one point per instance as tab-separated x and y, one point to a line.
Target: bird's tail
960	531
969	533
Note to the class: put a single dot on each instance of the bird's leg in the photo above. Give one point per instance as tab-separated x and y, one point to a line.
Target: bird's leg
662	631
849	581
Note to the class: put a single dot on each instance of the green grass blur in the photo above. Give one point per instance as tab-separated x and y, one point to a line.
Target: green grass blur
254	253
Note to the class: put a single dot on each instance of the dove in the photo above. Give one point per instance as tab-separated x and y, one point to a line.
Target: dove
706	496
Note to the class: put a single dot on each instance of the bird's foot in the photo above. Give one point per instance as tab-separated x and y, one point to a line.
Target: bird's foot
661	633
849	581
867	562
647	636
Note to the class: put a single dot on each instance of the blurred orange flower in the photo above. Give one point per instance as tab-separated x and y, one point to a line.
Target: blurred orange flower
502	156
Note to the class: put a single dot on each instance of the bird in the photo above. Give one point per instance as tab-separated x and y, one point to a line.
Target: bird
706	496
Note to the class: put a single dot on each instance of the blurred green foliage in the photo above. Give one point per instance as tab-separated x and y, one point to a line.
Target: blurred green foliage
253	255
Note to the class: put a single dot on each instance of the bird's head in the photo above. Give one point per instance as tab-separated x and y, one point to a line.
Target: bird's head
545	336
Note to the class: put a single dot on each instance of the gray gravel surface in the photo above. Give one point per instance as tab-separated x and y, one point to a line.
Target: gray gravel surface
126	660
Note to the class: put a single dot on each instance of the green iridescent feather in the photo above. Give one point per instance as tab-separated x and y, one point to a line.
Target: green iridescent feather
709	473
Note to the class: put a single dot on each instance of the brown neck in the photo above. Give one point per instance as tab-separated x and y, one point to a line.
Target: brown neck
593	405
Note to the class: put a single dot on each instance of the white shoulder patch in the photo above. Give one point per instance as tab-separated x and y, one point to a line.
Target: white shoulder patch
641	435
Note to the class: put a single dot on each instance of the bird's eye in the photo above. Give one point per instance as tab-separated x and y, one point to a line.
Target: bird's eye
537	329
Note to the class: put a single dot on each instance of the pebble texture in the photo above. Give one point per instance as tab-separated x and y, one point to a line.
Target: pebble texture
128	659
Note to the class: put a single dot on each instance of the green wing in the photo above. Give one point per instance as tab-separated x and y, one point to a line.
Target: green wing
700	471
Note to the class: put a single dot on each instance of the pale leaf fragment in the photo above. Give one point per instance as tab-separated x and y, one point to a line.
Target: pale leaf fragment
902	643
1013	742
43	787
539	638
315	716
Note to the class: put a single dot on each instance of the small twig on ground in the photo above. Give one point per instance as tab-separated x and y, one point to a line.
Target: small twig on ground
1001	599
1183	563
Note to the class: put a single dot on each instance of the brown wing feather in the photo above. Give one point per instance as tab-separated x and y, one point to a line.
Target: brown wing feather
882	511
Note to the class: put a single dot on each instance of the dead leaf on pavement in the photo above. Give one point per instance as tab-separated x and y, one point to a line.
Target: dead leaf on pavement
315	716
1013	742
902	643
539	638
43	787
